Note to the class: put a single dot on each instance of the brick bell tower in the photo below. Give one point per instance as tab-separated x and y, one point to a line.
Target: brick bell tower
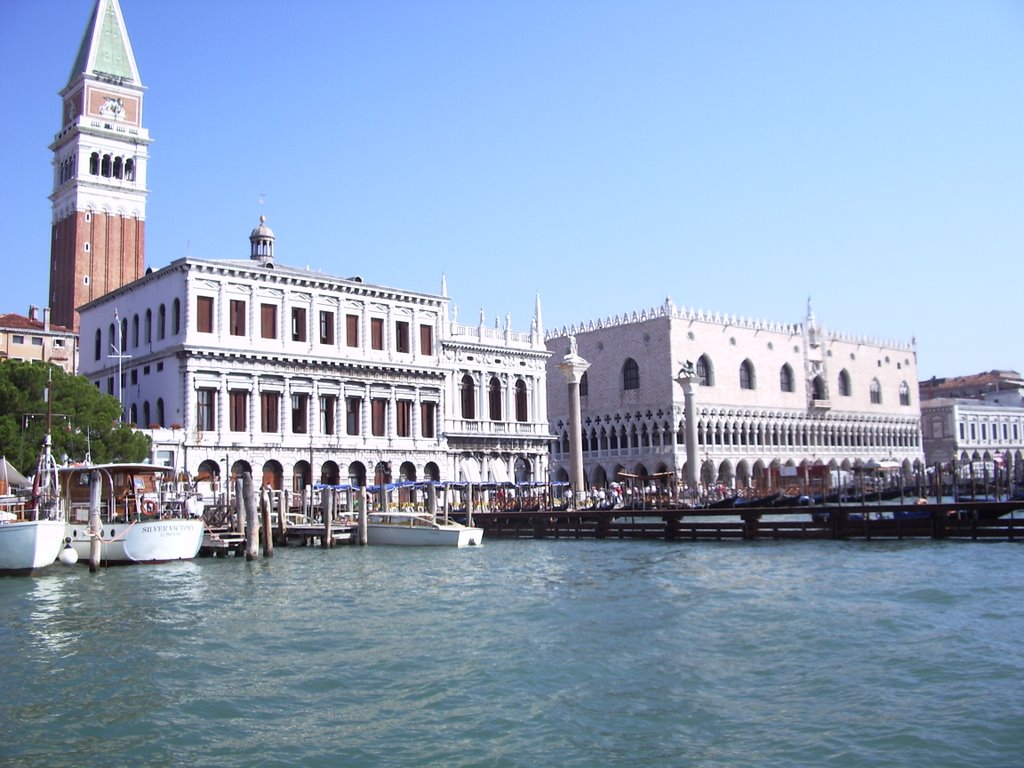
99	171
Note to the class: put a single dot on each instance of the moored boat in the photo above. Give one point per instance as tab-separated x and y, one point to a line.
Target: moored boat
419	529
142	519
31	531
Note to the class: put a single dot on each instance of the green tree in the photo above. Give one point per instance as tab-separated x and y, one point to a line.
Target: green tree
85	421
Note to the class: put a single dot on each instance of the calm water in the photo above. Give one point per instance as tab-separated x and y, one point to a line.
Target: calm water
525	653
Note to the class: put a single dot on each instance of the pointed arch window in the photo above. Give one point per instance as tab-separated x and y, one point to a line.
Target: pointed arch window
747	380
705	371
584	385
786	378
904	393
844	383
630	374
468	397
876	392
818	389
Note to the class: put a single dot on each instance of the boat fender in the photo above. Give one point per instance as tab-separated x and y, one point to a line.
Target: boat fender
68	556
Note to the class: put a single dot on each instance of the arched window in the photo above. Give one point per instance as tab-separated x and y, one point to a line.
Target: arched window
904	393
133	415
135	331
124	335
876	392
747	375
146	421
468	393
160	412
149	326
705	371
844	383
494	399
630	374
161	322
105	166
786	378
118	168
176	317
99	344
584	385
94	163
522	412
112	336
818	389
129	170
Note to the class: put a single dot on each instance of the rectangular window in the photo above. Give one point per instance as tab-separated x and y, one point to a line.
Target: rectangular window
37	341
427	416
237	324
270	410
298	324
206	401
352	415
352	330
238	410
204	315
326	327
426	339
401	336
328	406
403	418
300	412
268	321
17	339
378	416
377	333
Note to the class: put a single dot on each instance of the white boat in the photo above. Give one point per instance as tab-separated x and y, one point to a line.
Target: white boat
27	545
419	529
31	529
142	517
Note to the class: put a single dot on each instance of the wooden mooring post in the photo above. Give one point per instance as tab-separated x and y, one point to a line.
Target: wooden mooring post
251	529
266	529
327	510
95	525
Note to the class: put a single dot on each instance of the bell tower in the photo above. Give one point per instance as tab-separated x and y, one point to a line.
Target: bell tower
97	240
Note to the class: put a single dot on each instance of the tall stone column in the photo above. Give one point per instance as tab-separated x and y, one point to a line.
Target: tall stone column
573	367
687	378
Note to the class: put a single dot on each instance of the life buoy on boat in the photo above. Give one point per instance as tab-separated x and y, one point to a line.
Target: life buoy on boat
149	507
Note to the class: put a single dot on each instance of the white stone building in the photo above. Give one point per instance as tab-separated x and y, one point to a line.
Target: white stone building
775	400
301	377
981	438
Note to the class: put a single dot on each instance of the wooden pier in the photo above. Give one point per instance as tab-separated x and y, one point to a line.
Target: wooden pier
974	521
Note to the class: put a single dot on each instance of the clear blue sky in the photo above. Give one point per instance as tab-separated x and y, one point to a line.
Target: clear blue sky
738	156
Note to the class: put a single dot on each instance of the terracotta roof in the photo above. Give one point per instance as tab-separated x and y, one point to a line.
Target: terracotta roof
15	322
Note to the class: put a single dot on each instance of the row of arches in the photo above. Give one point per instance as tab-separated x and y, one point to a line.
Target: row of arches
301	474
754	432
112	166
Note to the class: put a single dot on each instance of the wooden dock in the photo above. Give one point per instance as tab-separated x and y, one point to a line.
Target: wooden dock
973	521
221	542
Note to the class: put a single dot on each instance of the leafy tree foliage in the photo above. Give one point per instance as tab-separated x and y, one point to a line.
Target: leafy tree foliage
85	421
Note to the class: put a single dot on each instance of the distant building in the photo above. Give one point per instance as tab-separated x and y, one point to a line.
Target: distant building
975	424
300	377
1005	387
99	170
35	339
776	401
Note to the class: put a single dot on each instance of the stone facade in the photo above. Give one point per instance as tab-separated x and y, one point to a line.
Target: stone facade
774	399
301	377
